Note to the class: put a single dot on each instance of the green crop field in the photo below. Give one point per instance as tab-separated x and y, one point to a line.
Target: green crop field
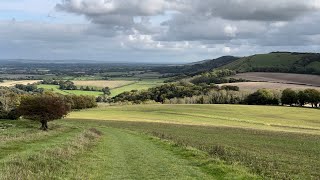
125	86
139	85
55	88
166	142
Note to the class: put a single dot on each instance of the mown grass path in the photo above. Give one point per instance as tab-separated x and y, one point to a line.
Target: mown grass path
124	155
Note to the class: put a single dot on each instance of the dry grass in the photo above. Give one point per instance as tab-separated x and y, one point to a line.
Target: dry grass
253	86
110	84
301	79
13	83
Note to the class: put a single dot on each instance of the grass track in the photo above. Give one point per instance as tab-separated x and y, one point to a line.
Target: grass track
118	154
126	155
277	155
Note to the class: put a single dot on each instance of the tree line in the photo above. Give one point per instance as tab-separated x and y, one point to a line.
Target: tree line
216	77
187	93
69	85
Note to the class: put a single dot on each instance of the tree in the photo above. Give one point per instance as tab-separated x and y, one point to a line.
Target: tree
43	108
313	97
262	97
302	98
289	97
106	91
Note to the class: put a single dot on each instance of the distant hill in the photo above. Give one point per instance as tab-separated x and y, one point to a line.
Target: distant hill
198	67
286	62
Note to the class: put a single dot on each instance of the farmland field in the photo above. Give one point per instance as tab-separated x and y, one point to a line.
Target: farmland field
305	79
139	85
166	142
256	117
102	84
55	88
253	86
118	86
13	83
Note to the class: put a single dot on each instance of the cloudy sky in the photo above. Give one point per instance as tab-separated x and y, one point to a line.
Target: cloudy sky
158	31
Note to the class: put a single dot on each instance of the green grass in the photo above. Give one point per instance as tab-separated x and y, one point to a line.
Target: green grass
167	142
55	88
283	61
134	156
272	118
106	153
139	85
277	155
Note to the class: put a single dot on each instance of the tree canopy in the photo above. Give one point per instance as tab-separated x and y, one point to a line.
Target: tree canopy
44	108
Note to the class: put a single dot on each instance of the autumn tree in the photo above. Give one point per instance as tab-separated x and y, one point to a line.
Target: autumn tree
43	108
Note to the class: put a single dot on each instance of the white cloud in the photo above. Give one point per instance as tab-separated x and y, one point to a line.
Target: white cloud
230	31
162	29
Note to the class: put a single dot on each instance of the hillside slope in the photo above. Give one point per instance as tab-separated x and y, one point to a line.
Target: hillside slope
198	67
286	62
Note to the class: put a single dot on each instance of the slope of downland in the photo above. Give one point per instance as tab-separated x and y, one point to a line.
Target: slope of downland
303	63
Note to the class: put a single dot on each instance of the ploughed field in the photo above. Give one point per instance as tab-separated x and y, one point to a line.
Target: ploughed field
286	78
254	86
166	142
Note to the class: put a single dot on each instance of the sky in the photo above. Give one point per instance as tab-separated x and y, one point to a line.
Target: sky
155	31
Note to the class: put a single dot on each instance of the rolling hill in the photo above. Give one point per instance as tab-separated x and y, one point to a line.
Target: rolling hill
197	67
282	62
286	62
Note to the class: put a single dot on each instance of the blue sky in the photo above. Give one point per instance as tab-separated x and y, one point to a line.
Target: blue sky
160	31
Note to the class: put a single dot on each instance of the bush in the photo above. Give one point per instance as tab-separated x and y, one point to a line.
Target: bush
81	102
13	115
230	88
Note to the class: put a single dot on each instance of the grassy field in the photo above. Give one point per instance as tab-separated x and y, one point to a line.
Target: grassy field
286	119
254	86
87	150
139	85
273	142
55	88
102	84
13	83
167	142
313	80
118	86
